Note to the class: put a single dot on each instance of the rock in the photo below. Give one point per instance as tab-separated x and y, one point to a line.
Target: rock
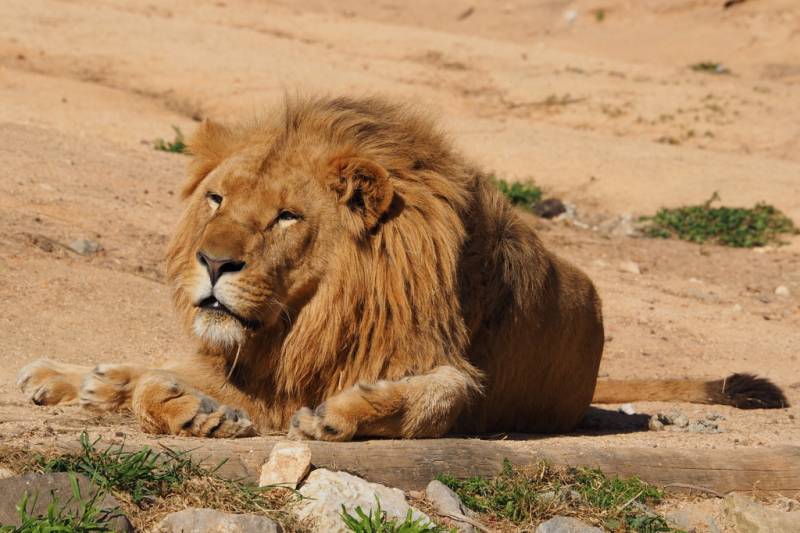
324	493
654	424
45	488
85	246
736	308
697	516
703	426
681	421
787	504
749	516
550	208
288	464
627	408
566	524
198	520
6	473
630	266
447	502
782	290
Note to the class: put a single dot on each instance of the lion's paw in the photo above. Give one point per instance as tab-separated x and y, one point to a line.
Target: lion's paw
108	387
46	382
320	424
164	405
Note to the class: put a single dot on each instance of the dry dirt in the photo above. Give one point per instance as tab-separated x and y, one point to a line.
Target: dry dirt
602	113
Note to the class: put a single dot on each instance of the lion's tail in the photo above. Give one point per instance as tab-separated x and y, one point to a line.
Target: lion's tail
745	391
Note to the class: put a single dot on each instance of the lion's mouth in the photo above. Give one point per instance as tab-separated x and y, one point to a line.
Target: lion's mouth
211	304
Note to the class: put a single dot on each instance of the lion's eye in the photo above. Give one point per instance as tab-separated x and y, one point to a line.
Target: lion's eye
287	218
214	200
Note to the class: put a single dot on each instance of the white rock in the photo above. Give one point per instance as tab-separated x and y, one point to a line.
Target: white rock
288	464
6	473
630	266
749	516
324	493
198	520
85	246
782	290
627	408
447	502
566	524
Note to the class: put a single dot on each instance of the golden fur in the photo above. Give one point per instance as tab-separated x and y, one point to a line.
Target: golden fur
338	254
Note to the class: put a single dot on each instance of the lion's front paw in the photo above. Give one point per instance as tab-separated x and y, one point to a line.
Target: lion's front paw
108	387
320	424
47	382
164	405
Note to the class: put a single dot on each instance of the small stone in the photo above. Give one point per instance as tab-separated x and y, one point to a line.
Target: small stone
736	308
288	464
550	208
45	488
566	524
787	504
681	421
325	491
654	424
703	426
200	520
447	502
714	416
630	266
85	246
749	516
6	473
627	408
782	290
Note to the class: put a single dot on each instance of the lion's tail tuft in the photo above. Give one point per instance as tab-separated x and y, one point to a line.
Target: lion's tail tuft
744	391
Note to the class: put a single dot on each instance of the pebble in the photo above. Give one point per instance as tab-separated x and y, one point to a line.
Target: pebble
325	492
566	524
627	408
288	464
447	502
782	290
6	473
85	246
631	267
654	424
199	520
550	208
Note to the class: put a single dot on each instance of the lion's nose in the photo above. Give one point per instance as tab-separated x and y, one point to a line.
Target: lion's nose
217	267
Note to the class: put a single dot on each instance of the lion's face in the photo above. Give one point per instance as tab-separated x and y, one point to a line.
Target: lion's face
258	236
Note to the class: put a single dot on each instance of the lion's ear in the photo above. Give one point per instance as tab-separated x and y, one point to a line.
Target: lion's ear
364	187
210	144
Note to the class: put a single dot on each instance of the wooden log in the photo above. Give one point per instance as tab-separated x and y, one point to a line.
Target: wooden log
412	464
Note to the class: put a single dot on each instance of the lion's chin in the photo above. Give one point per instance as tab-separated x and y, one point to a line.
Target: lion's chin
218	330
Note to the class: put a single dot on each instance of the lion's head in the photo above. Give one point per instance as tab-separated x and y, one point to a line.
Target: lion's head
314	229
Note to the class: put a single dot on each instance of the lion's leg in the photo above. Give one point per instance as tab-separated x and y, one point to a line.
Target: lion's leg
166	405
420	406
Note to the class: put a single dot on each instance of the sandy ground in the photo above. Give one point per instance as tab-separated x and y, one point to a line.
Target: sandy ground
603	113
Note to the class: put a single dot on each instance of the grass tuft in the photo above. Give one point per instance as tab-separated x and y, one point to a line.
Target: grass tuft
177	146
151	484
378	522
730	226
533	495
525	195
86	516
710	67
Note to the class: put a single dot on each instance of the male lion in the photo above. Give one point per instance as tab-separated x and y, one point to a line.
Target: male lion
340	255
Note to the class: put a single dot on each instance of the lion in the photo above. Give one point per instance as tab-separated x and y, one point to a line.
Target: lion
347	274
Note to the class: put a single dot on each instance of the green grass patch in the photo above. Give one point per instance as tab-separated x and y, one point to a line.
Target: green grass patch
150	484
85	516
521	194
710	67
730	226
533	495
177	146
378	522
